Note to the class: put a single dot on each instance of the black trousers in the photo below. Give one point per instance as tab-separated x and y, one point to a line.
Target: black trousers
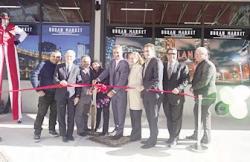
136	124
151	105
206	105
44	103
62	106
173	113
105	111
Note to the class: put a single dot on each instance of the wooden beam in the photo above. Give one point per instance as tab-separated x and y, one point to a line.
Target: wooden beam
163	12
184	8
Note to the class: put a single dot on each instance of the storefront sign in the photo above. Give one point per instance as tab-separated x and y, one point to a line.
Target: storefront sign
129	31
227	33
31	29
178	32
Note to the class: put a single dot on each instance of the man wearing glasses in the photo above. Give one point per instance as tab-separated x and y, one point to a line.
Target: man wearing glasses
175	79
43	76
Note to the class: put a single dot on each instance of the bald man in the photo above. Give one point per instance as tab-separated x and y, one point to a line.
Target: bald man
203	83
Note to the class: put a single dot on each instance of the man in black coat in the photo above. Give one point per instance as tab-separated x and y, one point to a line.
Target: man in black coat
42	75
175	79
203	83
152	79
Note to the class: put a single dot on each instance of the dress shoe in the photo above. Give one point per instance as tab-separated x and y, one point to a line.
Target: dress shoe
148	145
172	144
205	139
133	139
87	130
192	137
64	139
83	134
70	138
37	137
104	134
116	137
53	133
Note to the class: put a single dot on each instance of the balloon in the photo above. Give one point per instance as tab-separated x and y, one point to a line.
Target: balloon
226	95
238	109
241	92
221	108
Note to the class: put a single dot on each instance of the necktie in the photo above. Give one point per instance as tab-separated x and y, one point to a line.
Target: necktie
169	70
68	69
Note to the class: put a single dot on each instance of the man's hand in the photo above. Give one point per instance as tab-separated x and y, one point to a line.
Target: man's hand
110	94
64	83
94	81
90	92
41	93
176	91
76	100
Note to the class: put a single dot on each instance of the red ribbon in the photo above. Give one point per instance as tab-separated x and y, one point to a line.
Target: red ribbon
100	87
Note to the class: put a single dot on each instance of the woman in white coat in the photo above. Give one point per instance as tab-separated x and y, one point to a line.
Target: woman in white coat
134	101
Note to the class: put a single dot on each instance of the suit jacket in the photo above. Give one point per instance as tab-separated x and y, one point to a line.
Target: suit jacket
204	79
118	75
152	79
178	79
86	79
72	77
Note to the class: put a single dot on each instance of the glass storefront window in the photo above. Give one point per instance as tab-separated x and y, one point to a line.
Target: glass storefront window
21	11
67	11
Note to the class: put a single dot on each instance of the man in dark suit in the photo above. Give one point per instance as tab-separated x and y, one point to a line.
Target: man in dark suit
152	79
118	76
203	84
83	107
43	75
67	73
175	79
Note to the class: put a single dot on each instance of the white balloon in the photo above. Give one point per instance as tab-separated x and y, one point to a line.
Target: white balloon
238	109
241	92
226	95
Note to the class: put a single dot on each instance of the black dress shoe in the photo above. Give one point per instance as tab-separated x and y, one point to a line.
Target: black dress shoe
83	134
116	137
133	139
192	137
70	138
64	139
104	134
148	145
37	137
205	140
172	144
53	133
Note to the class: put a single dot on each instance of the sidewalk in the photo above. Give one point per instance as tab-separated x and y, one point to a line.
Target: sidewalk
18	145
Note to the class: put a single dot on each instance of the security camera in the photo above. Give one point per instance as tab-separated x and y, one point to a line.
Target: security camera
97	5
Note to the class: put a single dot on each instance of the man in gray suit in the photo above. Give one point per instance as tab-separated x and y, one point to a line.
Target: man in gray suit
83	107
118	76
66	98
203	84
175	79
152	79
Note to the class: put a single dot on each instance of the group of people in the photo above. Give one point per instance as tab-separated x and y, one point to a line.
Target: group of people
139	82
136	82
